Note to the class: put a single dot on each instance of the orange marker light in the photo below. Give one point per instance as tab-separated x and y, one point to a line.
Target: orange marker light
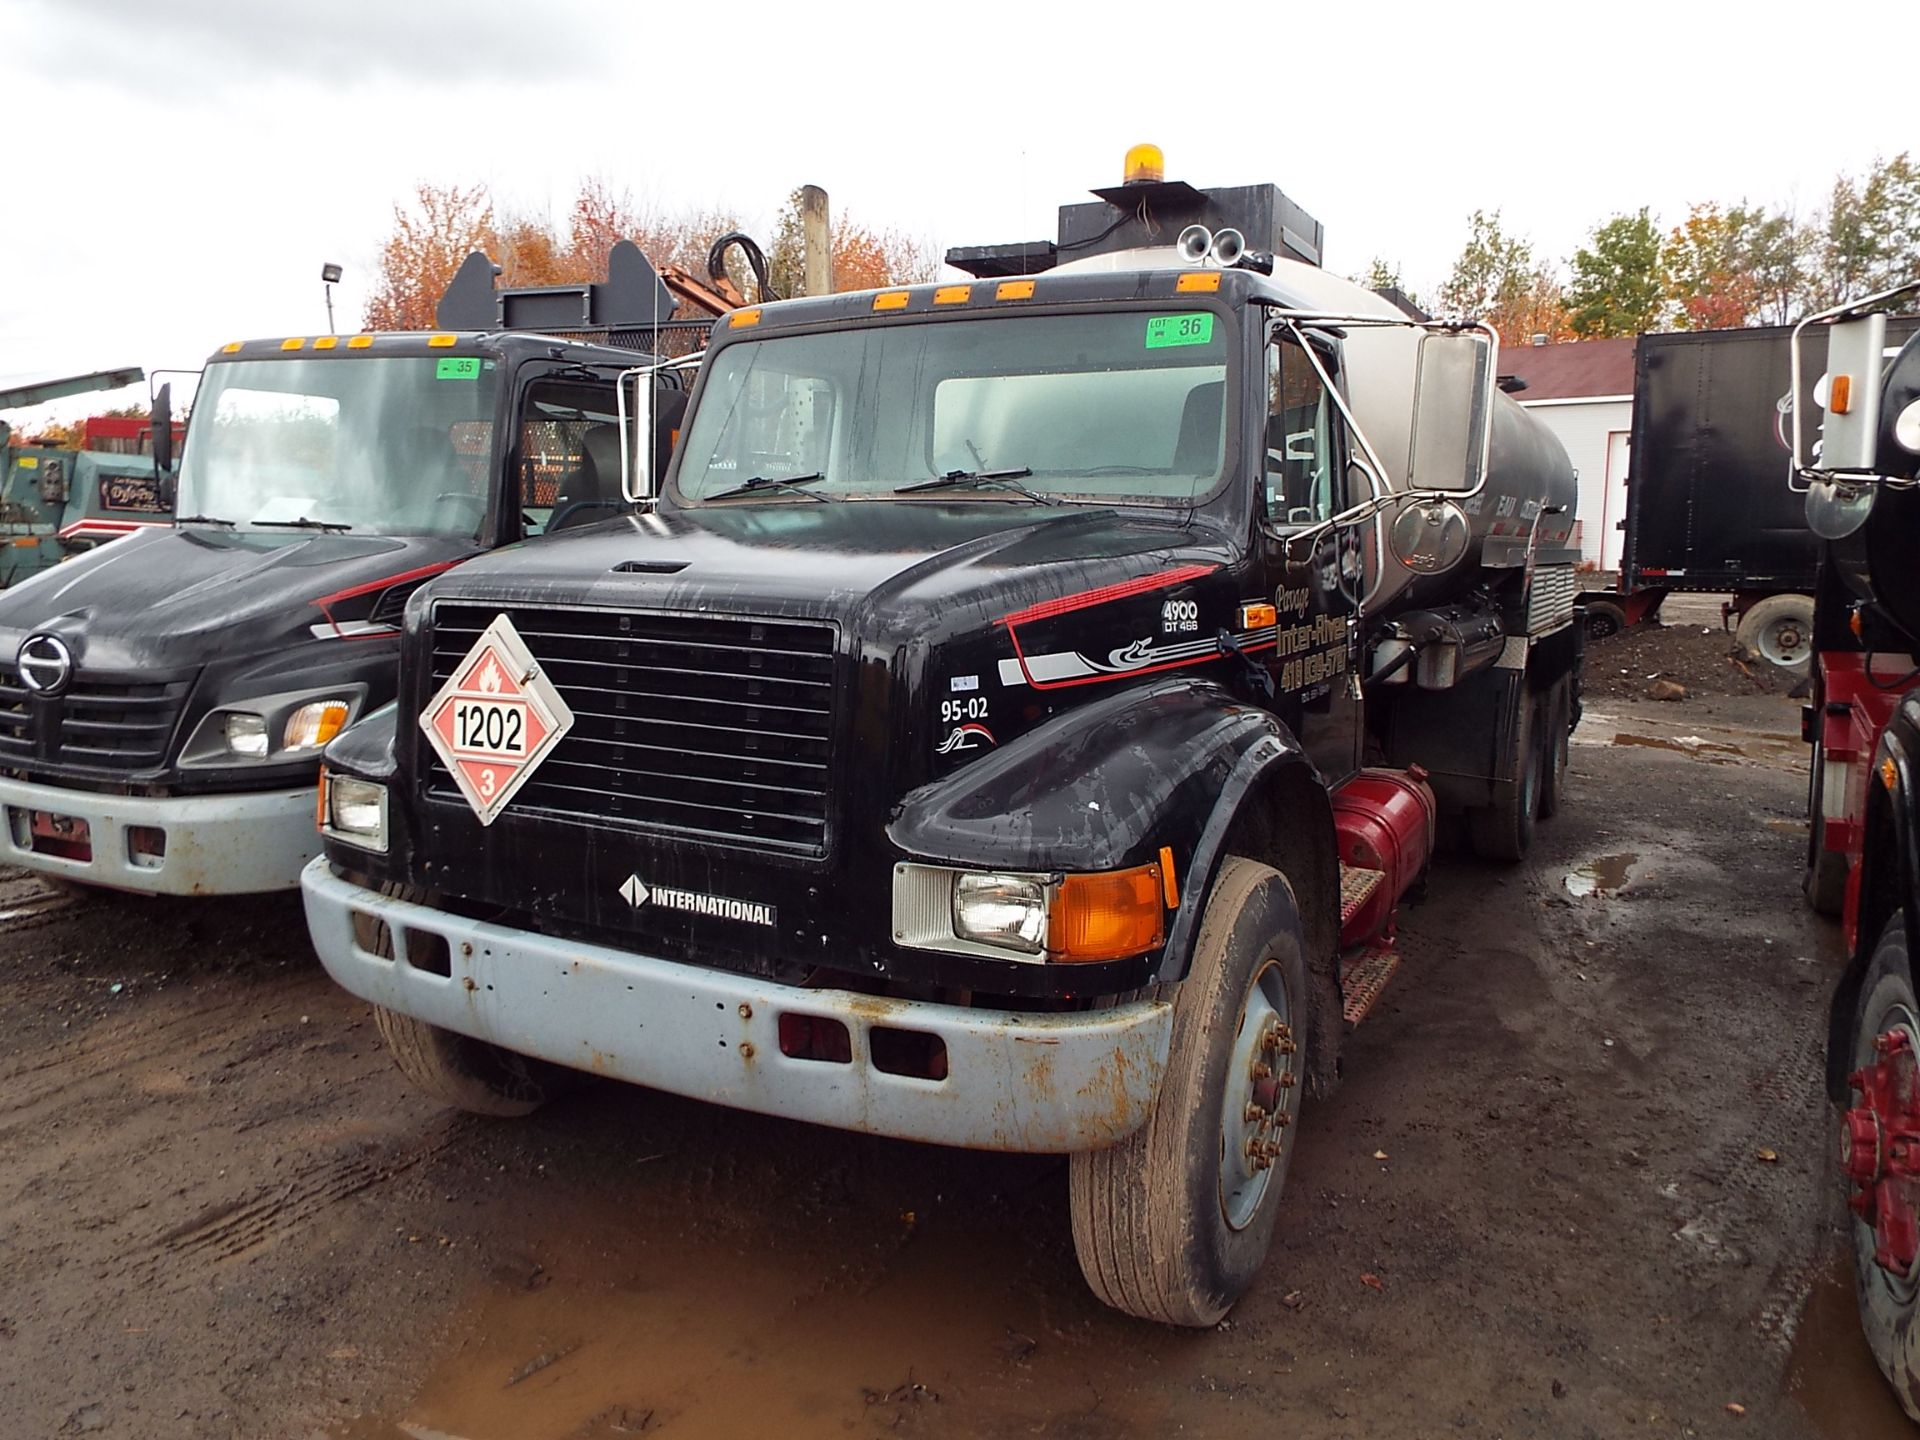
320	802
740	319
293	344
359	342
232	347
1014	290
325	342
1195	281
891	300
1108	916
1256	615
441	342
1169	881
1840	395
1889	774
952	294
1854	624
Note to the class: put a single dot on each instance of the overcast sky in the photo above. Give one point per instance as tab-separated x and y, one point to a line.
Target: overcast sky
180	170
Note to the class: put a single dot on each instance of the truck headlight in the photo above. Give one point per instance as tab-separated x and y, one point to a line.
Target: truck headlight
1009	910
1047	919
246	734
312	726
356	811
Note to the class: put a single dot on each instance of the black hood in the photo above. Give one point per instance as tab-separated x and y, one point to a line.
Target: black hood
176	599
916	568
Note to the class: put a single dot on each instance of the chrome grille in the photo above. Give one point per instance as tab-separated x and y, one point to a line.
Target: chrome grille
716	727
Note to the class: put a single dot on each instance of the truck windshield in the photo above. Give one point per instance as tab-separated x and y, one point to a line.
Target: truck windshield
1119	405
393	445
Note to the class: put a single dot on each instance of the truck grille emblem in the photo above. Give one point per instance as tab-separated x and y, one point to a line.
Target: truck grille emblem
46	664
635	891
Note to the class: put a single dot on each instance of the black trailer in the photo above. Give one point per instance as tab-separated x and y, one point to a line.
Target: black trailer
1707	506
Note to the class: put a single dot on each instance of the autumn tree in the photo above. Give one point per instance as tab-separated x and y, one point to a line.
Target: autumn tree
1871	239
1497	279
445	224
1707	268
1617	286
864	258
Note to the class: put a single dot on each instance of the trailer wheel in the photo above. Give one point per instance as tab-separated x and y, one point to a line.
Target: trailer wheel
1173	1223
1780	631
1504	829
1825	884
1604	618
1558	714
1886	1039
456	1069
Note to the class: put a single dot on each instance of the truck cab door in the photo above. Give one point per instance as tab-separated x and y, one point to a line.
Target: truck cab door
1314	574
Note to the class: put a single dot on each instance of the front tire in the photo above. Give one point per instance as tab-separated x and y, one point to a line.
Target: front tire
456	1069
1174	1222
1887	1300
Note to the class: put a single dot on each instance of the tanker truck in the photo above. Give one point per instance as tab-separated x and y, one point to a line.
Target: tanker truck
1010	722
1863	822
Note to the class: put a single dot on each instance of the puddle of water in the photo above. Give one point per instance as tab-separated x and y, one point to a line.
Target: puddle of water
1712	751
1832	1375
724	1341
1602	875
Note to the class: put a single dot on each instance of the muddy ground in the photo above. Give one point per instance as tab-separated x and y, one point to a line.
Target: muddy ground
1690	646
1581	1152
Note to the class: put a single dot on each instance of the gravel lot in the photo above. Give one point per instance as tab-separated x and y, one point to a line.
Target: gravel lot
1577	1183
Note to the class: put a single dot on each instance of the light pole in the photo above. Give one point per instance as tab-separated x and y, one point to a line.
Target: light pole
329	276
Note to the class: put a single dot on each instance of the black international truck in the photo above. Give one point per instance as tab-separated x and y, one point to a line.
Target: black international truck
1012	725
1706	512
164	699
1859	370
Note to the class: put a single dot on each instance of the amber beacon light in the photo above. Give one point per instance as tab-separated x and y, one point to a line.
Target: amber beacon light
1145	165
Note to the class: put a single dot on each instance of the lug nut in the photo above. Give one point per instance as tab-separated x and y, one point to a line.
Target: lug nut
1262	1070
1255	1114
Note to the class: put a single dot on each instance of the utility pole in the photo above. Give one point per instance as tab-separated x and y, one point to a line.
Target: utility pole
816	240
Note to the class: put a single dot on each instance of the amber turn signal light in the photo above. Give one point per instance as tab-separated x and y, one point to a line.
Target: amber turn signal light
1108	916
1840	395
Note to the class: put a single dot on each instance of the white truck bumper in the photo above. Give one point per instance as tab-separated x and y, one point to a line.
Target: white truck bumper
1024	1082
170	845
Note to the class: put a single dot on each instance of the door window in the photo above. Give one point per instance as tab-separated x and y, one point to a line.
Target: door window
1302	470
569	472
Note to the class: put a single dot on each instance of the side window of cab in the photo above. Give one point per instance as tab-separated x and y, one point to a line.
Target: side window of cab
1303	470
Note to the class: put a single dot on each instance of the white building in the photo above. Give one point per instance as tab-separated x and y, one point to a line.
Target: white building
1583	391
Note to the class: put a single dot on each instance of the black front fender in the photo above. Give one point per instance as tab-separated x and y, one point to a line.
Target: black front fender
1173	764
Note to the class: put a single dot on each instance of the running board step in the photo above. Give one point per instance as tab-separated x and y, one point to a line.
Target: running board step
1357	886
1362	977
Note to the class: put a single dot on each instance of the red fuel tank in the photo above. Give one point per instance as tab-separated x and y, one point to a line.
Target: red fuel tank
1384	820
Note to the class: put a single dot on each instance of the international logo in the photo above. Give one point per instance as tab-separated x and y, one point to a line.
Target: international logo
636	892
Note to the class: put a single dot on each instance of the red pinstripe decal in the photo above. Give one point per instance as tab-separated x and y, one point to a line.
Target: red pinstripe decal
1086	599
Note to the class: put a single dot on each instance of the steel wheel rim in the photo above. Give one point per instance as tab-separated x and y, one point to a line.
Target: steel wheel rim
1785	642
1258	1109
1898	1020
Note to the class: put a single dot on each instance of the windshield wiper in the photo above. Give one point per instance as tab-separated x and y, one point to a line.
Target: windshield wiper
303	523
771	482
202	520
981	480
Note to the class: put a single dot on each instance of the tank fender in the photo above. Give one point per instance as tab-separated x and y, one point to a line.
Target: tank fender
1889	880
1178	763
